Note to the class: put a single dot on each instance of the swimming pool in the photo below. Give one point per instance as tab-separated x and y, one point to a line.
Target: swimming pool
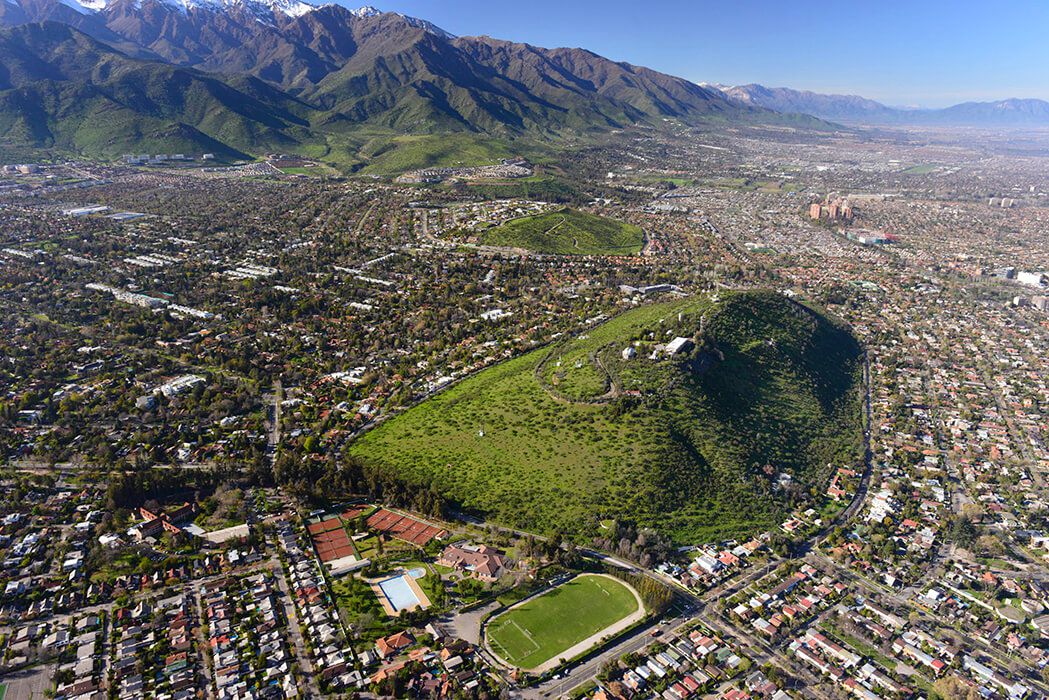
399	593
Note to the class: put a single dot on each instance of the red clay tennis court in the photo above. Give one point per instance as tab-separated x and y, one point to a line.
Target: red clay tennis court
404	527
330	540
325	526
353	511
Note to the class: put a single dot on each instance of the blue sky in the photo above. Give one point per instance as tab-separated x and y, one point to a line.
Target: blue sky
917	52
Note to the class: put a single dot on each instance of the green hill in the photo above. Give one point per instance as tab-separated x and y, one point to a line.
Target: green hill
567	232
562	437
60	88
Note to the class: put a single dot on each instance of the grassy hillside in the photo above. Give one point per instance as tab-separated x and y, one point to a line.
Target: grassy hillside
61	89
567	232
398	154
560	438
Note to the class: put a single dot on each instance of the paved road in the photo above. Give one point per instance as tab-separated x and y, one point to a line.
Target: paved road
762	653
203	648
295	634
583	673
278	399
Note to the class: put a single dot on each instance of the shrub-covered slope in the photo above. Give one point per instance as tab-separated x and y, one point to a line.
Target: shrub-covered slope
693	444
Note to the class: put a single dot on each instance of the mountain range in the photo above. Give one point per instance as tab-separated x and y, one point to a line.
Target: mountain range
240	77
855	109
243	77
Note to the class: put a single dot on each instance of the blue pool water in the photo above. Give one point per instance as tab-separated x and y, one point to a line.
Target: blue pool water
399	593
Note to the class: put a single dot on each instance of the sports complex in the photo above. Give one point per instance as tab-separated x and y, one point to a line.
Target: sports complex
563	622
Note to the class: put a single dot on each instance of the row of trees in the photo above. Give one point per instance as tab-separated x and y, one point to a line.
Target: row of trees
626	540
321	480
656	596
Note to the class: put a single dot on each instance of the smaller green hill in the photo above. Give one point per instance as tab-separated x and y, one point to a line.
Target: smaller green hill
567	232
393	154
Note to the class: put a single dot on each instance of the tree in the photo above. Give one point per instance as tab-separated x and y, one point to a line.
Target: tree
990	544
954	688
962	531
609	670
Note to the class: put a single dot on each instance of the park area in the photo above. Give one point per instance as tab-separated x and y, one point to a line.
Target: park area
556	439
567	232
566	621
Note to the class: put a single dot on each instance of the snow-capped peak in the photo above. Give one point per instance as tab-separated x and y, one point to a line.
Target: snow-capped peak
84	7
366	11
291	8
260	8
263	10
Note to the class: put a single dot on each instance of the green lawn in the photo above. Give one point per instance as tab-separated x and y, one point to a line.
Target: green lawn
744	184
126	562
920	170
538	187
398	154
567	232
314	170
544	627
359	607
367	548
531	443
858	645
429	583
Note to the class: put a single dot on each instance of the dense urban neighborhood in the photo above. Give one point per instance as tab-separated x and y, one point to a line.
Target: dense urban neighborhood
748	409
203	368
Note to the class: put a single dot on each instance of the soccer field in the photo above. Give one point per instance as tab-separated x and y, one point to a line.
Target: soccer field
541	629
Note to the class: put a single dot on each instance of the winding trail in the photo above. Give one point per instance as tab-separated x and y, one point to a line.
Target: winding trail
556	226
612	392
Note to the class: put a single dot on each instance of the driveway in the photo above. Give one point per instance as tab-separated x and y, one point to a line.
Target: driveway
28	684
467	626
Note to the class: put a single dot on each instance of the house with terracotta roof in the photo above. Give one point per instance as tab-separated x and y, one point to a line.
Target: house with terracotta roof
154	523
484	563
395	643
